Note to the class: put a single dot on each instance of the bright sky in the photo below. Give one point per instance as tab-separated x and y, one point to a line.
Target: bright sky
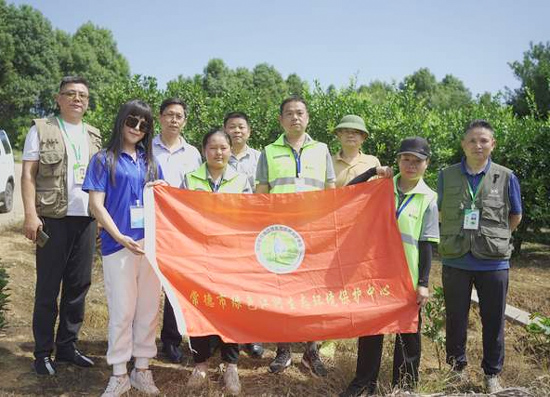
325	40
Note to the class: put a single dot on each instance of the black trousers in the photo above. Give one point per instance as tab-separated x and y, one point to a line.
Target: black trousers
205	346
406	360
65	260
492	288
169	333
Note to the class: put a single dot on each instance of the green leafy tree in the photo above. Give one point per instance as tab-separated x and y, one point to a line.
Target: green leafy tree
390	117
29	71
93	54
243	78
447	94
35	57
217	77
295	85
423	82
534	73
269	83
450	93
110	98
377	91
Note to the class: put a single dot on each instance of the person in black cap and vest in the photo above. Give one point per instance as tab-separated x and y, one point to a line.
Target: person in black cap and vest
417	219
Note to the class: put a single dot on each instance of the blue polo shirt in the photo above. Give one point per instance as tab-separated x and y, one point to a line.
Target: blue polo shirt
468	261
127	190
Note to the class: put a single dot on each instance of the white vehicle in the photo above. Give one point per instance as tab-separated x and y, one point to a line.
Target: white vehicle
7	173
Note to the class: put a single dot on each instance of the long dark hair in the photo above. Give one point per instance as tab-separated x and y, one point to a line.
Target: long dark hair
136	108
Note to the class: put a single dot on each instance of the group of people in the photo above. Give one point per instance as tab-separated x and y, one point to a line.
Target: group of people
70	184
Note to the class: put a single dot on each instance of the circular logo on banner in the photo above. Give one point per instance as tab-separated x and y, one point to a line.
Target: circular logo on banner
280	249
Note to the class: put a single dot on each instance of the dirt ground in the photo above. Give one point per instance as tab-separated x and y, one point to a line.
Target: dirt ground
523	368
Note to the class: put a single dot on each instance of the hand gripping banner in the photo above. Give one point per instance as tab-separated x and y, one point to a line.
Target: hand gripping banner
281	267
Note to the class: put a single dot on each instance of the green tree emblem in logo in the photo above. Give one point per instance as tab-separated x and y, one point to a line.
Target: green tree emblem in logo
280	249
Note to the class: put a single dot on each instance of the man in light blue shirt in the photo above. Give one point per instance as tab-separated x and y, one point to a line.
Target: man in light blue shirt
243	158
176	158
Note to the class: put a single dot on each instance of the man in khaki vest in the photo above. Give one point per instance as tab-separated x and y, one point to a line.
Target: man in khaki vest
56	153
480	206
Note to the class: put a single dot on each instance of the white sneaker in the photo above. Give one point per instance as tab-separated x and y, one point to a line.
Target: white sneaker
231	380
143	381
492	384
117	386
198	377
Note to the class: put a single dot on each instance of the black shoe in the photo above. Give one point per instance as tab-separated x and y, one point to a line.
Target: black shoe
282	361
44	366
74	357
357	388
312	361
354	391
172	352
254	350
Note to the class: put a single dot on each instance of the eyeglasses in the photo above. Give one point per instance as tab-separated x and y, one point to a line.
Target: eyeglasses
177	116
73	94
138	124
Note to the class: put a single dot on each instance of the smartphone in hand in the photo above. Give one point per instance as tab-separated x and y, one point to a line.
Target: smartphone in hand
41	238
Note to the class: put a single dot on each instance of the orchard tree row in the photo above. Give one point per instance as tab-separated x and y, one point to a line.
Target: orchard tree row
34	56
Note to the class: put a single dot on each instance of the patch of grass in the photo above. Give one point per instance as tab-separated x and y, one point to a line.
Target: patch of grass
4	296
523	367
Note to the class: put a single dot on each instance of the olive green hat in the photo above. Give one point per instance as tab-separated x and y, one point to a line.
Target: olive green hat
352	121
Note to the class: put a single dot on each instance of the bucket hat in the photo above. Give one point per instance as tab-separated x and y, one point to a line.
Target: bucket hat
353	122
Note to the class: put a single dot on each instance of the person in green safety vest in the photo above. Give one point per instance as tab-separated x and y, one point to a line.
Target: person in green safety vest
417	219
216	176
295	163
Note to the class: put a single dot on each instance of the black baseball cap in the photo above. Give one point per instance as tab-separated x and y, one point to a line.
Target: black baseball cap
416	146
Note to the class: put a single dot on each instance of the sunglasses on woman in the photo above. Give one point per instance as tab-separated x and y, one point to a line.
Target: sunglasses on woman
137	123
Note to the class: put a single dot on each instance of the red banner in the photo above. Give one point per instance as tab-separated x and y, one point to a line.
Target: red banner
282	267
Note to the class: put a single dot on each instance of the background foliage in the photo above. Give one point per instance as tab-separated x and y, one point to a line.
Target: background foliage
34	57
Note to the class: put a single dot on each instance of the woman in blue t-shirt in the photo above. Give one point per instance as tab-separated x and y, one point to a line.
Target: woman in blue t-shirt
115	180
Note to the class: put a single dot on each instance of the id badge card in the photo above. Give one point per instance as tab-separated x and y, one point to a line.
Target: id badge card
471	219
137	217
301	185
79	172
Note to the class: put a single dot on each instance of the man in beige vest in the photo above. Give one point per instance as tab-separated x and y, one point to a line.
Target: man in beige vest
56	153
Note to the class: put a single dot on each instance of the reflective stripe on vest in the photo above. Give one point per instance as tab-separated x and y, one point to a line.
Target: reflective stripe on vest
198	180
292	181
410	225
281	166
